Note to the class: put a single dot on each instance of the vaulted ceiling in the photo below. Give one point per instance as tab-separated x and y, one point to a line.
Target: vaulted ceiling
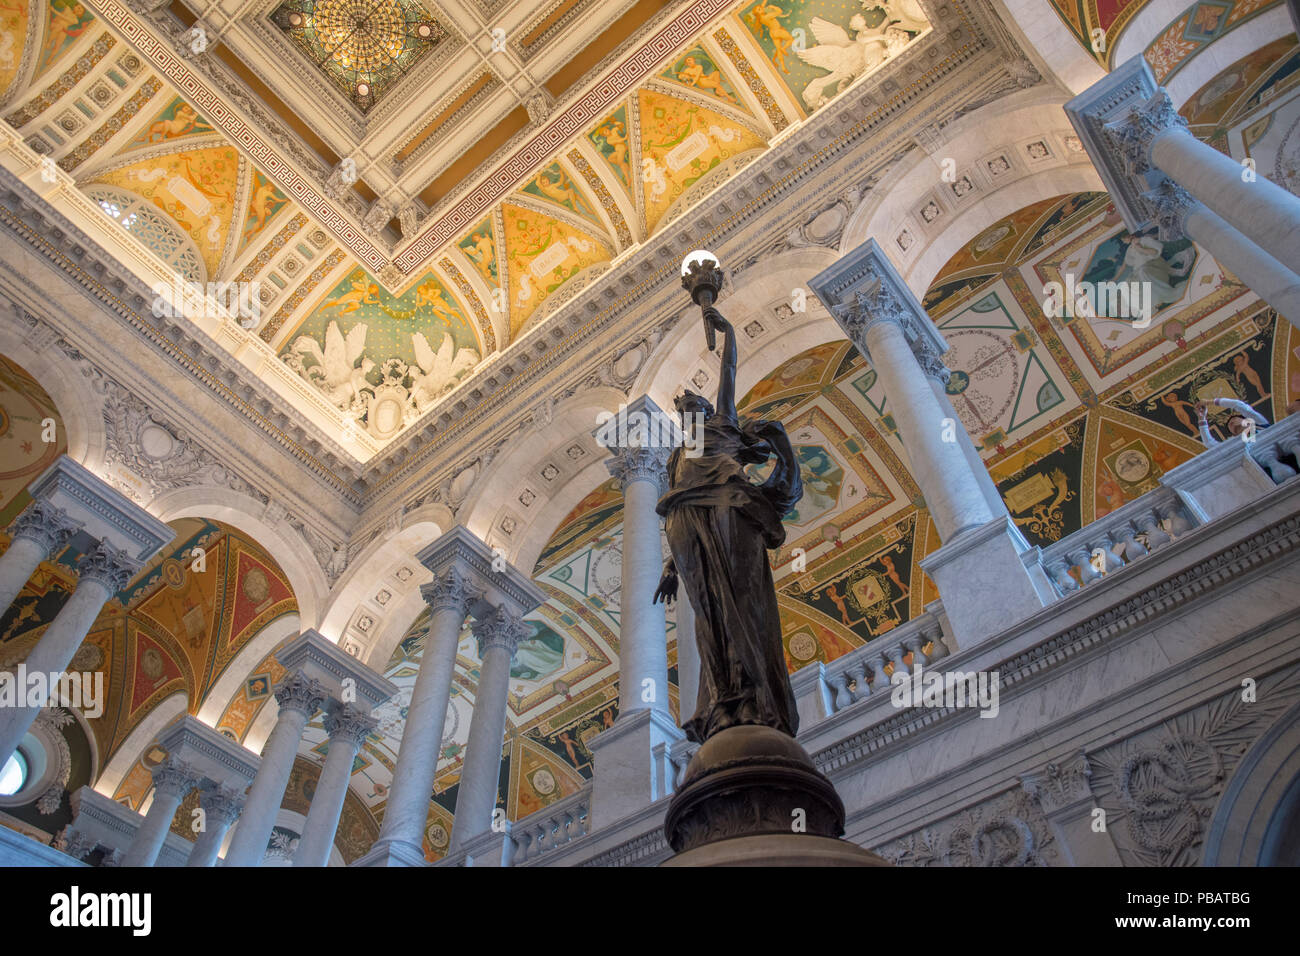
403	186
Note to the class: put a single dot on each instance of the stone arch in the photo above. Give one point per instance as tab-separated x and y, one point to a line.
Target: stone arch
772	280
498	485
80	408
1058	50
969	140
133	747
231	682
1258	816
1222	53
286	546
368	572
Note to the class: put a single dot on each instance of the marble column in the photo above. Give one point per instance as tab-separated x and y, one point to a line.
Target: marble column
299	698
1178	214
642	640
449	597
688	658
36	535
101	573
1153	137
498	634
221	808
986	575
938	375
348	727
1158	173
172	780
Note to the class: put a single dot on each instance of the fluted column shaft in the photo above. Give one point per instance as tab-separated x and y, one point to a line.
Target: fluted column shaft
940	468
172	781
642	640
221	808
499	635
407	810
36	535
103	572
299	699
348	727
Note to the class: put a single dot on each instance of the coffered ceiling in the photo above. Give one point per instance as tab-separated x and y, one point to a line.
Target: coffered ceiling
412	186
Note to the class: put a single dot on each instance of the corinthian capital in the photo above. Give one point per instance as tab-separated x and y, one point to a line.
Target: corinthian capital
348	724
870	307
927	356
299	692
449	590
639	464
1134	133
223	804
174	778
108	566
501	628
1171	203
48	526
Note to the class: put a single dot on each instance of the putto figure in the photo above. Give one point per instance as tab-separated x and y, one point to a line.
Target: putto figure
720	524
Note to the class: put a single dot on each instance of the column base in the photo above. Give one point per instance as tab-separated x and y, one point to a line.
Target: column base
629	773
391	853
986	582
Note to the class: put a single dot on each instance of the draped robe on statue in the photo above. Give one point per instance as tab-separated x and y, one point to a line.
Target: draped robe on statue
720	526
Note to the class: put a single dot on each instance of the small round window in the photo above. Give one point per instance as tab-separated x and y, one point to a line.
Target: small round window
14	774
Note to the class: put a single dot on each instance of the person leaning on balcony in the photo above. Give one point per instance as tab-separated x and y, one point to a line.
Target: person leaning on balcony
1238	419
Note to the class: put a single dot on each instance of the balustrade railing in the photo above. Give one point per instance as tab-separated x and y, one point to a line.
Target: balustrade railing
551	827
1127	534
866	671
1277	448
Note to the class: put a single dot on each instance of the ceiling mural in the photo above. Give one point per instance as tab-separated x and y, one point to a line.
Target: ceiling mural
32	436
710	104
175	627
1251	110
363	49
380	357
1195	28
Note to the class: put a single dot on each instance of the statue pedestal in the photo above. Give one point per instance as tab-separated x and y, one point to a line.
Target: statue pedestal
752	797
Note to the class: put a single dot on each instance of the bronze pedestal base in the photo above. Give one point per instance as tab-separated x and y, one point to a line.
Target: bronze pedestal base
751	796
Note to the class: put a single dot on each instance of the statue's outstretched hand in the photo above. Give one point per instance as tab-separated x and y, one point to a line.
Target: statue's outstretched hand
715	320
667	586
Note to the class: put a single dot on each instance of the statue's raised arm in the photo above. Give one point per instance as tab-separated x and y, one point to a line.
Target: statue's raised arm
727	376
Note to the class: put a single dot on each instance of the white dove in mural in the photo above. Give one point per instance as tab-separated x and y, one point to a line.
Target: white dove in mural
440	370
335	371
846	59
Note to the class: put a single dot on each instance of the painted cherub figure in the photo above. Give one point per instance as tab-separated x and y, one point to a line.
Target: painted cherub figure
361	293
693	74
183	120
768	16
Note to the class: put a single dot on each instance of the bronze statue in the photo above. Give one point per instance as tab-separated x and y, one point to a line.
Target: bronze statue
720	525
